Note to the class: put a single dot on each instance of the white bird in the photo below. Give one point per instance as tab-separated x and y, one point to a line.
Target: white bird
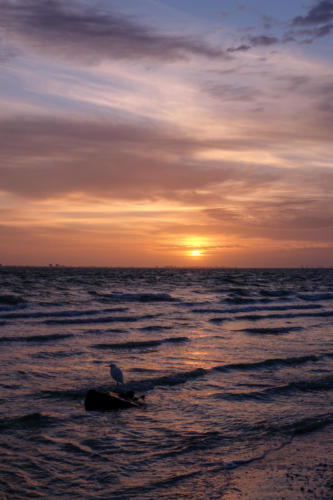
116	373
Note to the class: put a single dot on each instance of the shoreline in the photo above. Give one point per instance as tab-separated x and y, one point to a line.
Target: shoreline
301	470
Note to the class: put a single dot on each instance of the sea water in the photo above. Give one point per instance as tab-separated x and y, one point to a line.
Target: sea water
233	362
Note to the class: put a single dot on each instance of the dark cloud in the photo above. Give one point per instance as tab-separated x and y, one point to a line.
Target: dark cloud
321	13
228	92
254	41
279	218
311	34
100	159
263	40
45	158
239	48
317	23
318	32
90	34
306	29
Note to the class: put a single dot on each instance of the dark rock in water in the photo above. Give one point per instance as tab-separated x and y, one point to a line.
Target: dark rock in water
106	401
127	394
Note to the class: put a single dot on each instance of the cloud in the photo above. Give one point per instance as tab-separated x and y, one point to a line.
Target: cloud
315	24
7	52
317	93
239	48
45	158
229	92
263	40
99	159
280	218
254	41
319	14
72	30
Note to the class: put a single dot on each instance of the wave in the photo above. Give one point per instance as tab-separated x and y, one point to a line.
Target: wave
316	385
38	338
242	300
269	363
308	424
295	427
140	344
258	308
149	489
104	319
105	330
142	370
11	300
137	297
317	296
183	377
28	421
167	380
180	378
257	317
139	386
56	354
272	331
193	442
155	328
219	320
275	293
68	394
41	314
270	296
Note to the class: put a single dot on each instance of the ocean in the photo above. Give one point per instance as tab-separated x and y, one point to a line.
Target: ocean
234	363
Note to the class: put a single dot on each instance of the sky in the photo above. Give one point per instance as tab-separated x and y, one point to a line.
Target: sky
166	133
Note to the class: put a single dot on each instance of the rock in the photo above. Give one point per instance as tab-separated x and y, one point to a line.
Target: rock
107	401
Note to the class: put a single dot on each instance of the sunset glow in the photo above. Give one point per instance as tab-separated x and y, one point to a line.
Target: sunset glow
152	132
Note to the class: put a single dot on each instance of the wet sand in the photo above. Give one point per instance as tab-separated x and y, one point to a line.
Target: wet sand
301	470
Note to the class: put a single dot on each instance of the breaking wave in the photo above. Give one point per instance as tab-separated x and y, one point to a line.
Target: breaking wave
307	425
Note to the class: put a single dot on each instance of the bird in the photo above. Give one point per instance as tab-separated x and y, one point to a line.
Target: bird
116	373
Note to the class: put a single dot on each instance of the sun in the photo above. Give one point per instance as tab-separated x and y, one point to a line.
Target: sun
196	253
